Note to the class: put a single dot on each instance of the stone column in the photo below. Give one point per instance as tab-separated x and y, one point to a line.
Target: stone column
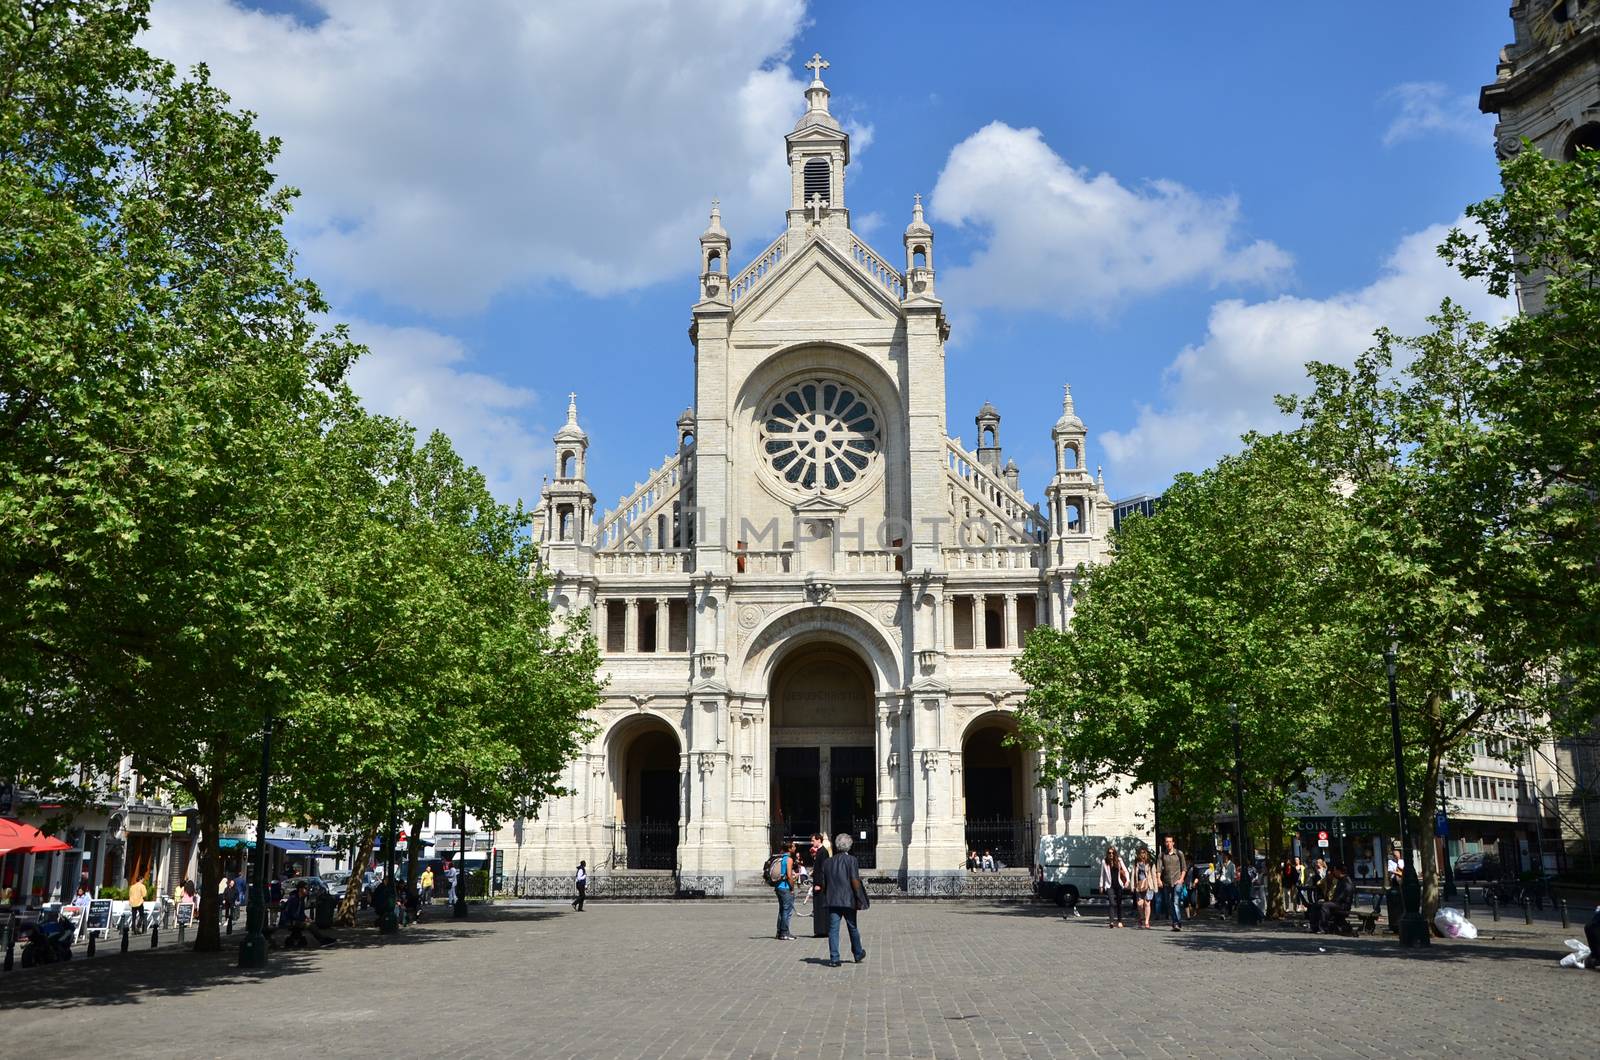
825	790
1008	628
630	636
980	622
663	641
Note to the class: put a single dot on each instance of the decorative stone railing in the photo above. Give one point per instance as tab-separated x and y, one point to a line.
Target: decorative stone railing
869	561
629	561
1005	557
757	270
979	482
877	268
627	527
763	561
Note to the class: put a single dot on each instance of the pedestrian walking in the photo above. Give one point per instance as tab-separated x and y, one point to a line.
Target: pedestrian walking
1114	885
138	891
581	881
846	896
1145	885
819	864
427	885
1227	885
783	874
1171	868
241	889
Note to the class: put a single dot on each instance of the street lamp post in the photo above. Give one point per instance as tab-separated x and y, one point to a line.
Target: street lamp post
253	951
461	870
1413	929
1444	842
1247	913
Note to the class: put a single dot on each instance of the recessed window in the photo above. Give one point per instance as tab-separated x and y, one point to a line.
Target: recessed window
818	180
1584	138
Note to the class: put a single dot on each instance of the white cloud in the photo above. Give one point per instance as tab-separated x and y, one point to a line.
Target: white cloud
1222	387
1428	107
449	152
418	375
1060	239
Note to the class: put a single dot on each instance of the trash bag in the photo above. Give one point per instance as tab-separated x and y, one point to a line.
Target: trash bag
1579	954
1452	923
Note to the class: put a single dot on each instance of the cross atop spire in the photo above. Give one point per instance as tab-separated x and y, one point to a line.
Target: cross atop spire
817	65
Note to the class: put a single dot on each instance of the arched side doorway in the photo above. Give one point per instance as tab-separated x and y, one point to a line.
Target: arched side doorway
824	776
647	786
996	788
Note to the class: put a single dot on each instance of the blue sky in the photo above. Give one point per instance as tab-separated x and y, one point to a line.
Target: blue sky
1169	205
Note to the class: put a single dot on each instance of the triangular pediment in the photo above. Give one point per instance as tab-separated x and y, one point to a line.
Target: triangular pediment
818	284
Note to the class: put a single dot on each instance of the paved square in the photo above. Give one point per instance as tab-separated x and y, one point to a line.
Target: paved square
706	980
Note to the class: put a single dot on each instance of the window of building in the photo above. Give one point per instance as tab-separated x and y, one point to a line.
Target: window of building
818	180
1027	617
677	625
961	619
616	626
994	624
820	433
647	625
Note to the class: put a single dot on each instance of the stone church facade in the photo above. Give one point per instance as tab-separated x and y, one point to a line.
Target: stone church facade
810	610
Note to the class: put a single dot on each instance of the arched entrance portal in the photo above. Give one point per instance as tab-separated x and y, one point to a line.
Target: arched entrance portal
995	789
647	782
823	776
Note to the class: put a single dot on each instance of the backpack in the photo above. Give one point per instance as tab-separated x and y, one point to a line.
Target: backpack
774	870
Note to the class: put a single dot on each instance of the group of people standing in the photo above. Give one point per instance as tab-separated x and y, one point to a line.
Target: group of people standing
1164	875
836	891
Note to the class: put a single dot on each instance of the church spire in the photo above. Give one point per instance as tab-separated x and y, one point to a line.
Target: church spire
819	151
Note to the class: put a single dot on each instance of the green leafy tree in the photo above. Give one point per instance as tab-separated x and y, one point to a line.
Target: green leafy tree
1228	596
1446	553
1542	394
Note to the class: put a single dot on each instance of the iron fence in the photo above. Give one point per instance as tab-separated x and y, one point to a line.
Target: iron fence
1010	840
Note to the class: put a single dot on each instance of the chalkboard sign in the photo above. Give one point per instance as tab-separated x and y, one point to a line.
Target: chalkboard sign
99	915
185	914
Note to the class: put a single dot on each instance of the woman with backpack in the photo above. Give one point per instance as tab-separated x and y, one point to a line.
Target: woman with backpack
783	875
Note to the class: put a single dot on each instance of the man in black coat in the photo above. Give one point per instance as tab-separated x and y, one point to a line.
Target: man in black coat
1324	915
819	907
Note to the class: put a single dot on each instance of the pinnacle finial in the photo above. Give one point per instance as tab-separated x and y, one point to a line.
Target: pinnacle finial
1066	398
916	208
572	407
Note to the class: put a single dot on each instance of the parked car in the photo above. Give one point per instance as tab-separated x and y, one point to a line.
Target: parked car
337	880
315	887
1478	867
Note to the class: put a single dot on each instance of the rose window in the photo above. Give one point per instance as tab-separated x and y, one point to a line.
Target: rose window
820	434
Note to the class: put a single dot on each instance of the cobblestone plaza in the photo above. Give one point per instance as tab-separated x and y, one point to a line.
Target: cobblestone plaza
691	979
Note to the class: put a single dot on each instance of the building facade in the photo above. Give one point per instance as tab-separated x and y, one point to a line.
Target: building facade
810	608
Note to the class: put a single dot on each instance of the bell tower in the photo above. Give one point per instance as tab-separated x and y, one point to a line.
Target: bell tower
1547	90
819	151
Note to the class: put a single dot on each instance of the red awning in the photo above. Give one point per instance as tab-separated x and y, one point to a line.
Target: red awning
19	838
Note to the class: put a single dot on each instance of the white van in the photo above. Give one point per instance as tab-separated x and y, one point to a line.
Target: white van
1067	867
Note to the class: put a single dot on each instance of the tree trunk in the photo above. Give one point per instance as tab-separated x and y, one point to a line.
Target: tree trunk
1274	877
346	915
414	846
1422	837
208	933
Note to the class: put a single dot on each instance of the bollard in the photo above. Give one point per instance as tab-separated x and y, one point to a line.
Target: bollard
1564	921
1527	910
1466	902
1494	907
9	942
91	944
124	938
155	932
180	934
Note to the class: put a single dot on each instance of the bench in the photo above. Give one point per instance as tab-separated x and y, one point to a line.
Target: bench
1366	919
